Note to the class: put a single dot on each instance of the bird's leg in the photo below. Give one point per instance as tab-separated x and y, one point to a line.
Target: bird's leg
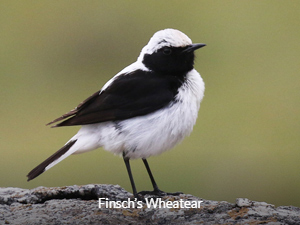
156	190
155	187
126	160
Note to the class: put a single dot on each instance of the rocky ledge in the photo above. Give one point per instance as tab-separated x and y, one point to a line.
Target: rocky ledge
80	205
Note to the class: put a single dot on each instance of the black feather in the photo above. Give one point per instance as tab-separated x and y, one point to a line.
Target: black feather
135	94
41	168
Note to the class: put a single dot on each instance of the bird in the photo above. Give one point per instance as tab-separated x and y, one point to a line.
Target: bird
144	110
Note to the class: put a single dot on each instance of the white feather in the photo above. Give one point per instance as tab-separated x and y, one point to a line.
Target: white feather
148	135
152	134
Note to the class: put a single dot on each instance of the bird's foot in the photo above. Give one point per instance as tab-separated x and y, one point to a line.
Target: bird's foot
138	197
158	192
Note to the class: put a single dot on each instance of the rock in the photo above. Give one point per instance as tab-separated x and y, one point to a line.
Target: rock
80	205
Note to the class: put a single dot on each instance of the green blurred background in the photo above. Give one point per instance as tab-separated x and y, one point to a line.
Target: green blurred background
246	141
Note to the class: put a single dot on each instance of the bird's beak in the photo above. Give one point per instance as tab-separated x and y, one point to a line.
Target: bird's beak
194	47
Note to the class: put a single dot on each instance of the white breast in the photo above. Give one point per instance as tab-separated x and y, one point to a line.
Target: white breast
157	132
149	135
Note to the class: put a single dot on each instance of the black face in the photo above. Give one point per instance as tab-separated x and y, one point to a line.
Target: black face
170	60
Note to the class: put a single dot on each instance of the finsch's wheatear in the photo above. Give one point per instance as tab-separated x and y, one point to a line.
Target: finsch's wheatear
142	111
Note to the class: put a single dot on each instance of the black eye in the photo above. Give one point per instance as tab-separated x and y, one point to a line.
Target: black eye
167	51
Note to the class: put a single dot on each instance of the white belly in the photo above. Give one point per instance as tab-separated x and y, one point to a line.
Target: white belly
149	135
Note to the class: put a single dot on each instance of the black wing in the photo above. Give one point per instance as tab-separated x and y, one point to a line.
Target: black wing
135	94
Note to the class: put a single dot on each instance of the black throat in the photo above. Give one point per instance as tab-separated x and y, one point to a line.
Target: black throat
170	60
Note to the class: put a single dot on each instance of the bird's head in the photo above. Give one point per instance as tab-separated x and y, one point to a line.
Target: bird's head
169	51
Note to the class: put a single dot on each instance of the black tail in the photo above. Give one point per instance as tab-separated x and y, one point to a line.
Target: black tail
41	168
